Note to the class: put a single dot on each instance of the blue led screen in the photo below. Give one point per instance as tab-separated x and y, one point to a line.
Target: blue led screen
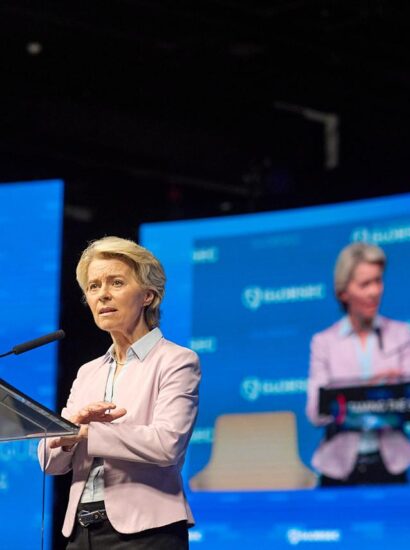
30	251
247	293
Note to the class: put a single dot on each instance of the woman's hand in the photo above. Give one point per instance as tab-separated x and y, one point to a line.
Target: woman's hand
67	442
95	412
388	376
98	412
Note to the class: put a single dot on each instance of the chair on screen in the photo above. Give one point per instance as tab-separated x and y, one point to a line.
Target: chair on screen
256	451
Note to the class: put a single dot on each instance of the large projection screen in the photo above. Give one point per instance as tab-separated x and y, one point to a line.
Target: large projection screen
30	252
247	293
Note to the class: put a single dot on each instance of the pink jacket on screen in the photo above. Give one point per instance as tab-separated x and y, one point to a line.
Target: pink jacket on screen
334	359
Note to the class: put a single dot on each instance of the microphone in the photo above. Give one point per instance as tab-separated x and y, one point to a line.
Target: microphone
37	342
399	349
378	332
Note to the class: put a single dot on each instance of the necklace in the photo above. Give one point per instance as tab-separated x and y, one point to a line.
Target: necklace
118	362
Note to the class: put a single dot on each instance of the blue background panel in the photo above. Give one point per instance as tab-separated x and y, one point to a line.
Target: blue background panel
30	254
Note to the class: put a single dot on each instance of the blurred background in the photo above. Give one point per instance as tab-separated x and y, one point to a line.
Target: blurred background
163	111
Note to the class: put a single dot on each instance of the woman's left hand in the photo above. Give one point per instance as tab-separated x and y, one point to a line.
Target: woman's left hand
67	442
388	376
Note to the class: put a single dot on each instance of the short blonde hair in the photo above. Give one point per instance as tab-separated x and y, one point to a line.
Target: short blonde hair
147	269
349	258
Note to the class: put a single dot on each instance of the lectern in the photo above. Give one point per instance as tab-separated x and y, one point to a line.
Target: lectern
357	405
22	418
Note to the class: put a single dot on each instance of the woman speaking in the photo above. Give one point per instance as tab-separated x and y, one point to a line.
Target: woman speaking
368	348
135	405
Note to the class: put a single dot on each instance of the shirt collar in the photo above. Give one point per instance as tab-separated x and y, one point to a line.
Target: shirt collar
346	326
141	347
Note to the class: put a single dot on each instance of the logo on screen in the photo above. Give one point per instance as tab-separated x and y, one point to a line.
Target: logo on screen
253	297
295	536
209	255
252	388
382	235
202	435
203	344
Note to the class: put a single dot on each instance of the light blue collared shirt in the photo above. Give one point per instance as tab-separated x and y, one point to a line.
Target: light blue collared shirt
94	487
364	354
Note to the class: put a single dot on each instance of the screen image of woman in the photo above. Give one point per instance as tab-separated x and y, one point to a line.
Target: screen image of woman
136	406
371	349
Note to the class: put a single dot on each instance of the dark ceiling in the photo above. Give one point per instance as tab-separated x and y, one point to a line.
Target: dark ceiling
201	108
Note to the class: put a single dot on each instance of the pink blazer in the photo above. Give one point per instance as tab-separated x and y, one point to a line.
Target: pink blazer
143	451
333	359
